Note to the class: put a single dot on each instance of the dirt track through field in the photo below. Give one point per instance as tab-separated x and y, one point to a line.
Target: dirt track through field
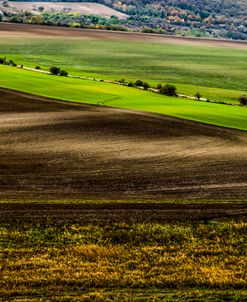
41	31
67	151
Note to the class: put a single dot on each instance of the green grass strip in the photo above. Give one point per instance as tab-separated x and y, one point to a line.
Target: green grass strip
92	92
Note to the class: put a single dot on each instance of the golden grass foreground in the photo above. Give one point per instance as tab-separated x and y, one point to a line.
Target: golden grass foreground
124	262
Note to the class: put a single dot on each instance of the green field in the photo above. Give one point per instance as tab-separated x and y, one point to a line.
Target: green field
93	92
218	73
65	259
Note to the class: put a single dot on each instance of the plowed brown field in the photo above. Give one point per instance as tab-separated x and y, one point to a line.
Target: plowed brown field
66	151
115	213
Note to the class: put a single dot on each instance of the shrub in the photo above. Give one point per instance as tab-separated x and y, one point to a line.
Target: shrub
2	60
121	81
5	3
130	84
12	63
168	90
63	73
198	96
37	67
243	100
41	8
145	85
54	70
159	86
139	83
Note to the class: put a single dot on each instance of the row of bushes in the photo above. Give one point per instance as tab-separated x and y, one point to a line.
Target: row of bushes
4	61
53	70
170	90
167	89
57	71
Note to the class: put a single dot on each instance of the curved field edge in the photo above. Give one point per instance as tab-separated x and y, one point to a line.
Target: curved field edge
98	93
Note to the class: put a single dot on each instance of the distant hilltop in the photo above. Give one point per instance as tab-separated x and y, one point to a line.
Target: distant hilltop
72	7
197	18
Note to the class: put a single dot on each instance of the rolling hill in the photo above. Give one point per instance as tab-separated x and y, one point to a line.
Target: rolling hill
82	8
204	18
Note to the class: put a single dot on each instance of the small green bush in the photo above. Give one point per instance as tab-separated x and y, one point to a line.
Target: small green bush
12	63
243	100
168	90
54	70
198	96
63	73
145	86
2	60
139	83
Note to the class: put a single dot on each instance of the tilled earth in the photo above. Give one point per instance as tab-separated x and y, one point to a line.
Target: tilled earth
53	150
14	213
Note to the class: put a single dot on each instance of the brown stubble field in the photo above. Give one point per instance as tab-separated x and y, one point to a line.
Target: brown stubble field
52	150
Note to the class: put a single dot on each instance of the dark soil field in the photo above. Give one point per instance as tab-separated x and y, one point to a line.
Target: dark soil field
53	150
114	213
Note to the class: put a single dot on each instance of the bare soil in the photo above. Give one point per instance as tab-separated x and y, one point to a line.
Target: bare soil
115	213
83	8
53	150
28	30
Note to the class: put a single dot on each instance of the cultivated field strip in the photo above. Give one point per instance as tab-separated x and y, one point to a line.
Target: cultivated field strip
28	30
82	8
52	150
114	213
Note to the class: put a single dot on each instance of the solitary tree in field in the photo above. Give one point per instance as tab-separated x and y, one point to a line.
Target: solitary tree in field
243	100
198	96
54	70
139	83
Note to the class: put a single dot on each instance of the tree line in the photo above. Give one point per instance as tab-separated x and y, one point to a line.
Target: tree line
167	89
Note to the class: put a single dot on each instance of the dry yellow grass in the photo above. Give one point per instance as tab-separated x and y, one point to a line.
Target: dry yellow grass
43	260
